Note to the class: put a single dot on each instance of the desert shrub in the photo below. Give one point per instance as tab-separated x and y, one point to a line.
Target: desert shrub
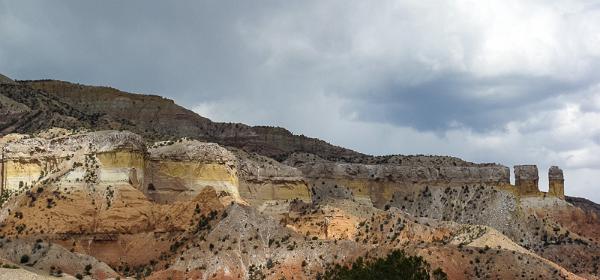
24	259
439	274
270	264
4	196
395	266
255	273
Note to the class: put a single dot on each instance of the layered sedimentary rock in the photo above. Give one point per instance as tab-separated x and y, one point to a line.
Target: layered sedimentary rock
167	171
108	156
263	179
260	200
526	179
377	183
556	182
84	182
111	195
180	170
177	170
155	118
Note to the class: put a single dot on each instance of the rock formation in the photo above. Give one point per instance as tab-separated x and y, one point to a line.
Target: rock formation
526	179
158	118
180	170
556	182
182	197
6	80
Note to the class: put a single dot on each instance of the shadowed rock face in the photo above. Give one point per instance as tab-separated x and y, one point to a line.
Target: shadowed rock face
26	110
158	118
555	173
6	80
584	204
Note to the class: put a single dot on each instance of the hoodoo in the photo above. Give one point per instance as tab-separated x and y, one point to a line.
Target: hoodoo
526	179
556	182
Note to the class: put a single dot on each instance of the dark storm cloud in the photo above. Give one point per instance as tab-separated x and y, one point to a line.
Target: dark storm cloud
201	51
463	100
189	50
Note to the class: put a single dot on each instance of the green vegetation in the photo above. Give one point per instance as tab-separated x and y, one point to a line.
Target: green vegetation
24	259
395	266
4	196
8	266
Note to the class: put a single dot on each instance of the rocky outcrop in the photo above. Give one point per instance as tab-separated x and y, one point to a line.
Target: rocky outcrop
377	183
158	118
180	170
6	80
556	182
167	171
27	110
526	179
264	180
44	256
233	201
108	156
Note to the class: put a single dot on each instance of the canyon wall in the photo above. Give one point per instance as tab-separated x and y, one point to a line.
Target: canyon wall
166	171
171	171
180	170
377	183
110	157
263	179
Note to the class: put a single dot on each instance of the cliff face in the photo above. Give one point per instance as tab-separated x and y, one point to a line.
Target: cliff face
155	117
28	161
180	170
167	171
378	183
109	192
183	197
264	179
26	110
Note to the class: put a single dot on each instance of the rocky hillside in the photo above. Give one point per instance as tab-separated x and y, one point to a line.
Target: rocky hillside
113	184
158	118
98	198
5	80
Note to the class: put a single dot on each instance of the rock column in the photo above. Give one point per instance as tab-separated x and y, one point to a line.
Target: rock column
1	176
526	179
556	182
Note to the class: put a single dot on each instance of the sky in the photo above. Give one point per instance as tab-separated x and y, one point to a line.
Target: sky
505	81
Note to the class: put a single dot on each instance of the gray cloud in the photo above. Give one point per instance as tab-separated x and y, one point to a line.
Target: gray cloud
452	100
507	81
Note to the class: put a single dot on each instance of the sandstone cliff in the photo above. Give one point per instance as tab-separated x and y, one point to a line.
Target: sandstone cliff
109	194
183	197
